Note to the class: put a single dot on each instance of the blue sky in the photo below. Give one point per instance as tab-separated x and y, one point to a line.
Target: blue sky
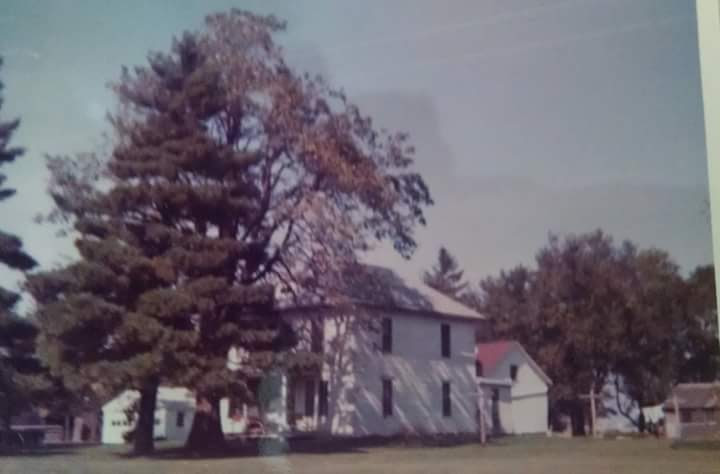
528	116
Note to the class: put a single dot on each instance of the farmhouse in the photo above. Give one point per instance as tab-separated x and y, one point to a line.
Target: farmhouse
398	357
515	389
402	360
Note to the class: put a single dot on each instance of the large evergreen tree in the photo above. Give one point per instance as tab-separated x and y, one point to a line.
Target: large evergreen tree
231	177
17	335
446	275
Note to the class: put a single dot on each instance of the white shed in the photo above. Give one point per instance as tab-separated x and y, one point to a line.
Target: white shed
508	362
173	415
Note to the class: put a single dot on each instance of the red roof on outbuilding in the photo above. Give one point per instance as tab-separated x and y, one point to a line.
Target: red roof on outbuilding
492	353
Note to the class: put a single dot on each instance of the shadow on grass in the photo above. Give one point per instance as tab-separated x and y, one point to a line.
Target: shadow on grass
257	447
42	451
697	445
254	447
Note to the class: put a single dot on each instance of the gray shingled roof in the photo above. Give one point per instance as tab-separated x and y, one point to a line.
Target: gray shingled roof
377	286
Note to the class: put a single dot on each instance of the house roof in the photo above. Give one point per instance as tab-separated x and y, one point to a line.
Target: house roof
491	354
694	395
376	286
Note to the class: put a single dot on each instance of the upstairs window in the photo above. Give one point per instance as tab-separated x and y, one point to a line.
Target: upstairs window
478	368
180	419
513	372
387	338
445	340
316	337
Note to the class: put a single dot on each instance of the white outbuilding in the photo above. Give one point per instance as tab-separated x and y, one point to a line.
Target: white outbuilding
515	388
173	415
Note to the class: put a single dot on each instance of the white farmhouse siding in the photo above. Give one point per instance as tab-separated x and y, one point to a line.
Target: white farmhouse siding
355	368
417	371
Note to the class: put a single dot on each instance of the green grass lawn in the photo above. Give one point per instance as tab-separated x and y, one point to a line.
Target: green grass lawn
511	456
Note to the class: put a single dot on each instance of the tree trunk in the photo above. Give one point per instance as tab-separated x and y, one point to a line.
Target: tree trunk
642	425
206	433
143	440
577	416
7	415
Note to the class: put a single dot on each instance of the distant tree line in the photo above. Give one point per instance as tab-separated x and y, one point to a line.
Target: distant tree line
592	312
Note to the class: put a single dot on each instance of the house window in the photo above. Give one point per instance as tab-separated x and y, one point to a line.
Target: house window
513	372
446	401
387	338
445	339
387	398
478	368
495	395
309	398
685	415
323	398
157	421
180	419
316	337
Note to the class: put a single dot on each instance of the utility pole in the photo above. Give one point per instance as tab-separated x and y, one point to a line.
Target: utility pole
678	422
593	409
593	416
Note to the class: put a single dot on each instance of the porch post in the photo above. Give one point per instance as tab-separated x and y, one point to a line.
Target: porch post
275	401
316	404
481	411
283	404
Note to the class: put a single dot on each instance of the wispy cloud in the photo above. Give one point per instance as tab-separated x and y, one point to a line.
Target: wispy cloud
497	52
455	26
20	52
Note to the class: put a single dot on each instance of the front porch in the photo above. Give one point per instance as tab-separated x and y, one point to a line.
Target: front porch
286	405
